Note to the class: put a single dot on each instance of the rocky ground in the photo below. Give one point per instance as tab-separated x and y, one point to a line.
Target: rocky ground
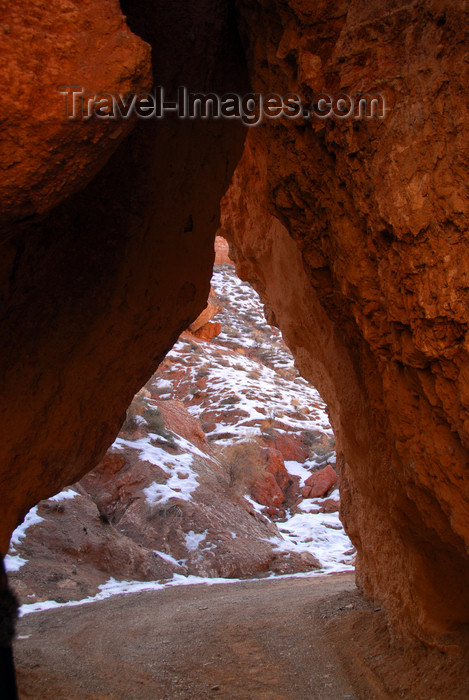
282	639
224	468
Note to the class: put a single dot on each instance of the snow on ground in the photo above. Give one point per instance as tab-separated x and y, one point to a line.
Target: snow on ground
251	382
193	540
182	480
244	393
13	562
323	536
297	469
66	495
254	383
320	534
113	587
167	557
32	518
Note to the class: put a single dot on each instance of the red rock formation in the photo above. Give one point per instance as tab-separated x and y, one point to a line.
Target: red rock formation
267	492
290	447
354	233
209	331
275	487
222	251
96	290
276	467
268	487
319	483
178	419
44	156
211	309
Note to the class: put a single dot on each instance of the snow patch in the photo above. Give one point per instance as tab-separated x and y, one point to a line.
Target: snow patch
66	495
193	540
297	469
322	535
182	480
31	518
167	557
13	562
113	587
258	507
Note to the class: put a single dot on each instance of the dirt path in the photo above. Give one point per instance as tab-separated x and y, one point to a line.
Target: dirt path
266	640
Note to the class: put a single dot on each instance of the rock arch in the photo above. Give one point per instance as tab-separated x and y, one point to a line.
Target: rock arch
355	236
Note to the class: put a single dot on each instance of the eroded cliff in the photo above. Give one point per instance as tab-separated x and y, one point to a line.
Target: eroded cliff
354	233
101	272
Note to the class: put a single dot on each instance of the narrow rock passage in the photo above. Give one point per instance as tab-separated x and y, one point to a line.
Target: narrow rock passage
255	639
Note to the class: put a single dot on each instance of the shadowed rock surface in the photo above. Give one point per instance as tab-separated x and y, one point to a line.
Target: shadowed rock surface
96	292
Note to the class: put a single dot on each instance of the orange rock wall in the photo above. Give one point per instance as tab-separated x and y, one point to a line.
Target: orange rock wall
44	156
97	286
355	235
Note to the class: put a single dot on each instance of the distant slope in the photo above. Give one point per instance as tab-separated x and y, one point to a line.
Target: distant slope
207	477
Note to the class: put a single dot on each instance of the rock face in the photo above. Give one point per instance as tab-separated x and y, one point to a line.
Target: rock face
355	235
275	487
168	499
108	526
202	326
222	251
44	156
96	290
318	484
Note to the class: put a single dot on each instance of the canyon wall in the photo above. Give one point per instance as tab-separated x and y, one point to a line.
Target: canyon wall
107	227
355	234
353	231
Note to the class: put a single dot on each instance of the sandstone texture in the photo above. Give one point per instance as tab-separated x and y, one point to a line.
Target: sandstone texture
203	319
208	331
355	235
318	484
45	156
95	291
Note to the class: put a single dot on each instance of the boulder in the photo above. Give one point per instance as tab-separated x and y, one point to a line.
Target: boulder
266	491
211	309
208	332
319	483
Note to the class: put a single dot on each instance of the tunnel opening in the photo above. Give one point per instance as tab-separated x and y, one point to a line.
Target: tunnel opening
224	468
232	384
95	263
